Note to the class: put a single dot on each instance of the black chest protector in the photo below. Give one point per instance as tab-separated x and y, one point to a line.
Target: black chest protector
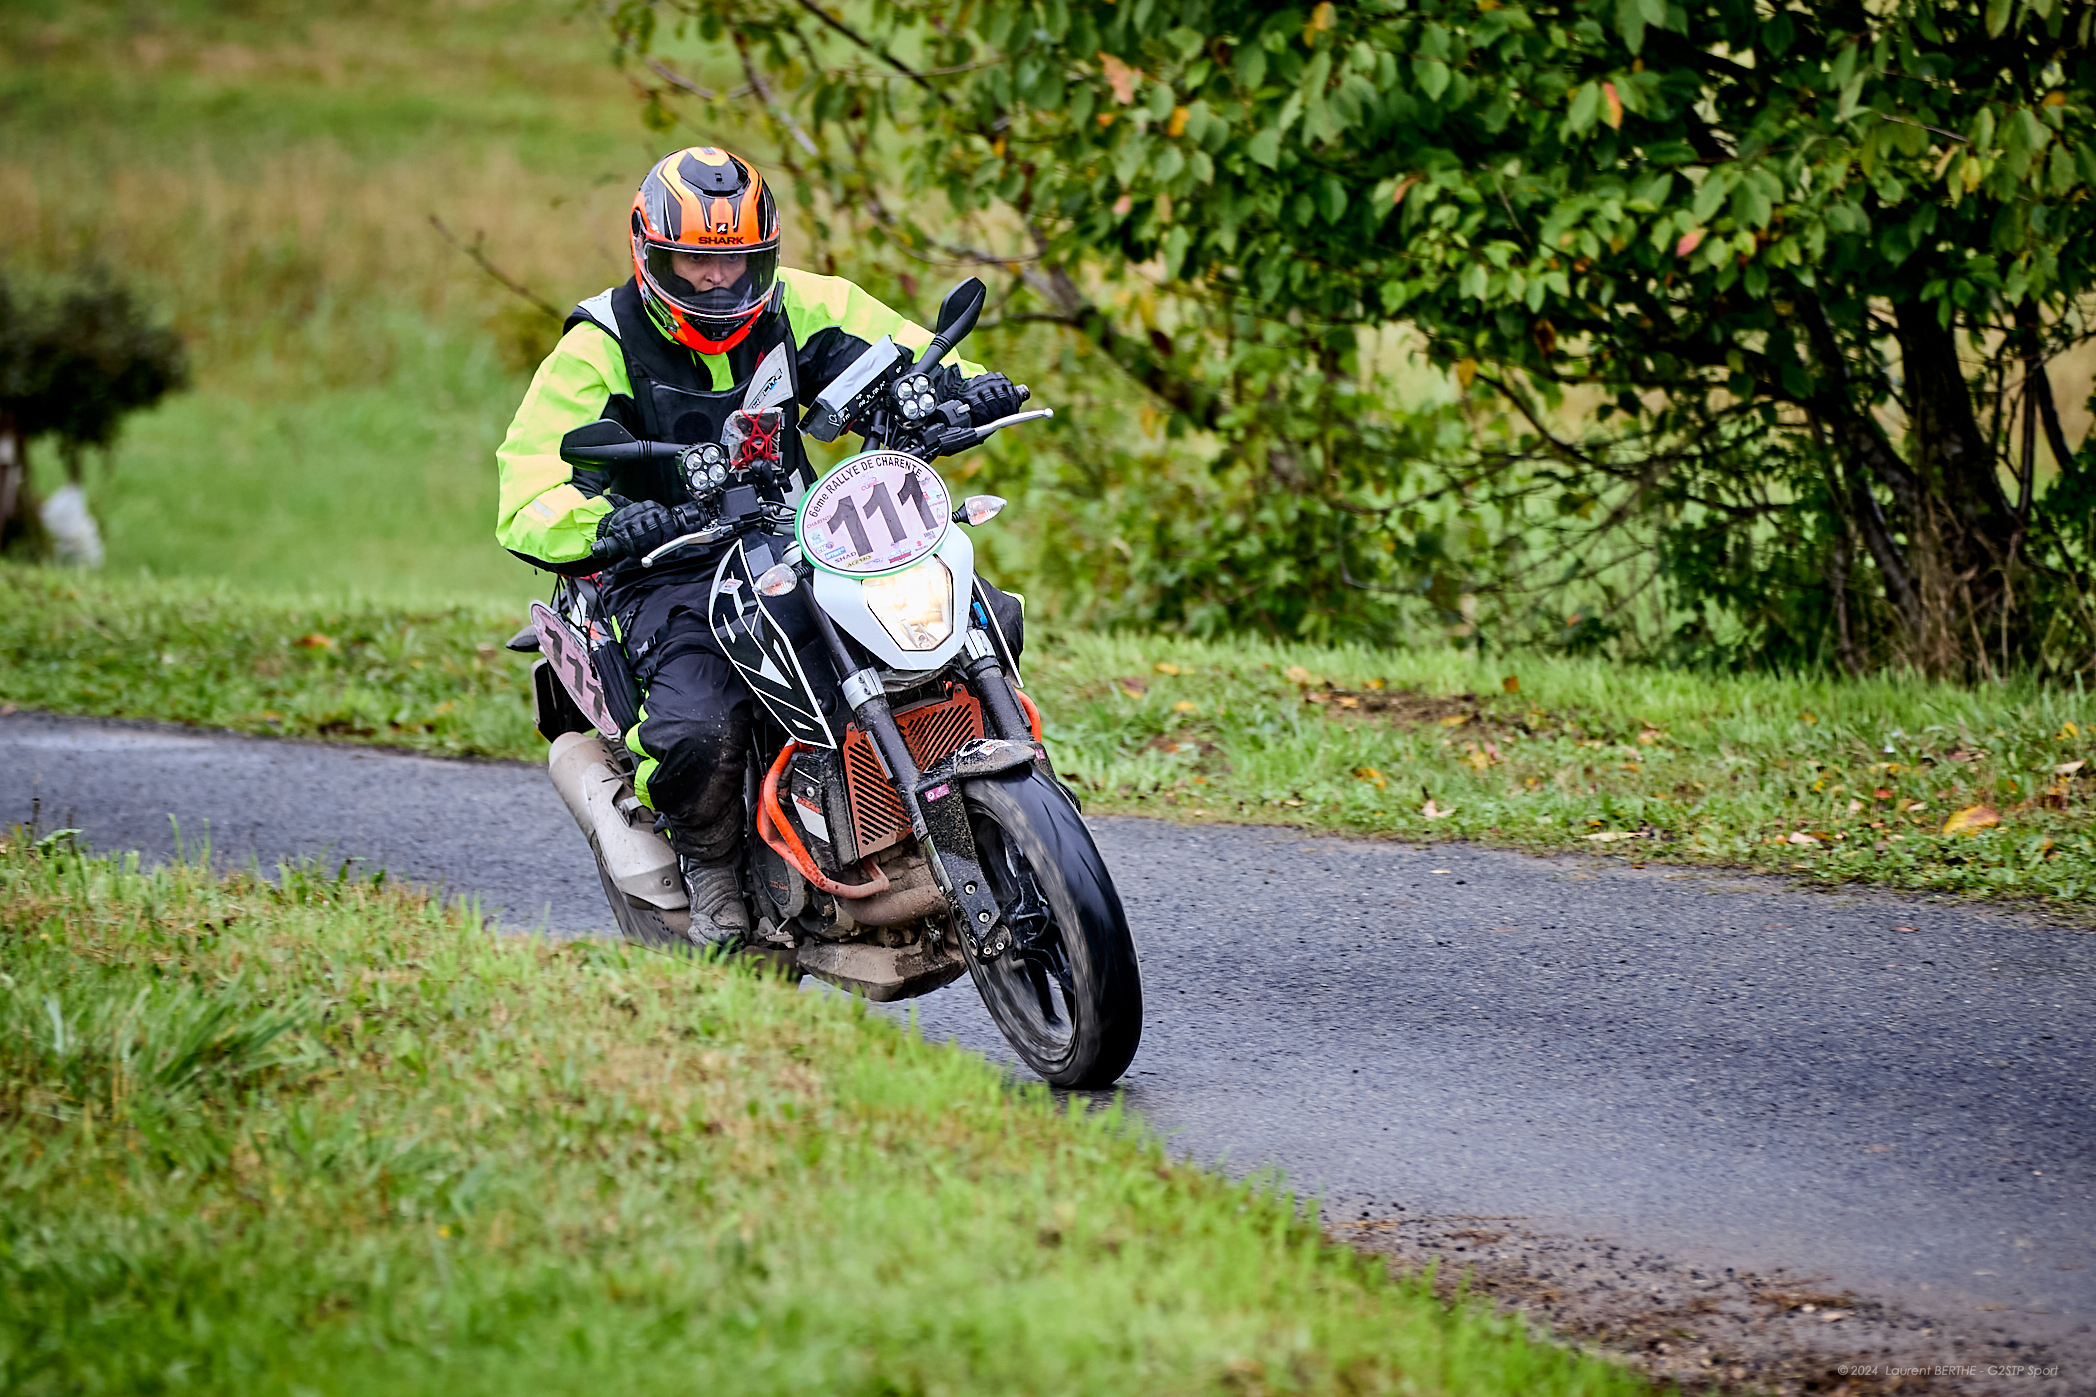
674	398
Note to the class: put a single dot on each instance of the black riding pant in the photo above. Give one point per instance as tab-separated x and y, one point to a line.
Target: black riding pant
693	737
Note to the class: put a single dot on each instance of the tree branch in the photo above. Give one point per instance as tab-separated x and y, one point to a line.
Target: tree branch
875	49
480	260
677	80
771	103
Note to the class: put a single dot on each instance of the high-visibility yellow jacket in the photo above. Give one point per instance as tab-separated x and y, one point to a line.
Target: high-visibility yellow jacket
545	513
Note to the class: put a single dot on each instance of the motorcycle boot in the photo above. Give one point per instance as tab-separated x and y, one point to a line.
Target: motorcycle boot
719	918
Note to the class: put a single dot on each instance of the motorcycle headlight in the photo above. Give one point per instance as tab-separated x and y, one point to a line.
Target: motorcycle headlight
915	605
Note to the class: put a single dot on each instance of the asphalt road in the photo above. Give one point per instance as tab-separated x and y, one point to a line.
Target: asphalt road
1889	1095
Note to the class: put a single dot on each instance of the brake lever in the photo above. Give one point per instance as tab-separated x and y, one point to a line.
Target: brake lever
958	439
712	533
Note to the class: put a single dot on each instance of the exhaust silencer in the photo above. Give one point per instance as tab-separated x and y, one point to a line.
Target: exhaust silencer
641	863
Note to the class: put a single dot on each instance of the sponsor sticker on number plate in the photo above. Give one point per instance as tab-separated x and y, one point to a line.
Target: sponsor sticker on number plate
878	512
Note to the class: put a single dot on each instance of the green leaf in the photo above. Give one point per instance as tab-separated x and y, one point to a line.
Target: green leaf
1653	192
1711	197
1998	12
1432	75
2034	133
1249	66
1175	245
2062	172
1331	198
1265	147
1981	132
1630	22
1844	66
1586	105
1130	159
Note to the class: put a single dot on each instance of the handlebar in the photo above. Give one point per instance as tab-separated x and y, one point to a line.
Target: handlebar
694	520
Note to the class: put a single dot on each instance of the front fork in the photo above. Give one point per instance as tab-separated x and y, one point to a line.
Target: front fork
938	814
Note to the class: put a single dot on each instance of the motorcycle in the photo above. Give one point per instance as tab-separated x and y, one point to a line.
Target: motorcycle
906	823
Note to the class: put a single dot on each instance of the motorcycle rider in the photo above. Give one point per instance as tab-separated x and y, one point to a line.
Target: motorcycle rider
669	355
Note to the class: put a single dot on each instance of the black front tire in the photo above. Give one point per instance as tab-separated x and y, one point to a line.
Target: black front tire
1067	996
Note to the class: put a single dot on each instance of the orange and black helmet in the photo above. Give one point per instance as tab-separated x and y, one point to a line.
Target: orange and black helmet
705	247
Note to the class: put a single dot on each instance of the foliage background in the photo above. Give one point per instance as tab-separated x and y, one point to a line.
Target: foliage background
1742	301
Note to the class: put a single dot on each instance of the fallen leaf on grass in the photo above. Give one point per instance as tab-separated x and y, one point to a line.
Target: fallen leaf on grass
1296	674
1455	720
1371	775
1512	683
2069	768
1610	836
1971	820
316	641
1134	688
1162	667
1800	837
1185	707
1434	812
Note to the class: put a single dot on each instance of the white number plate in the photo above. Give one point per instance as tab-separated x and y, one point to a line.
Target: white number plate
571	664
878	512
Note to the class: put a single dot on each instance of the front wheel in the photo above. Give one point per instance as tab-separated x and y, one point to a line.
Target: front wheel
1067	994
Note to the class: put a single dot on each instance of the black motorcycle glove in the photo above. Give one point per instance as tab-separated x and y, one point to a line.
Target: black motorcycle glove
634	528
991	396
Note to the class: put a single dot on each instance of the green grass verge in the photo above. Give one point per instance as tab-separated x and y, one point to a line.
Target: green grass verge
315	1135
1835	779
209	654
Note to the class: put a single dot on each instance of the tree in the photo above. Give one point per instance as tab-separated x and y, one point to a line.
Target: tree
1772	288
74	362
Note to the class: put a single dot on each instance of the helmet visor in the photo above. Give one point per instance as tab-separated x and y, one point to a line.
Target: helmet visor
718	285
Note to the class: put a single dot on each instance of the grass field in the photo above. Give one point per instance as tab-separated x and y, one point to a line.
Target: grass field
1832	779
266	173
315	1135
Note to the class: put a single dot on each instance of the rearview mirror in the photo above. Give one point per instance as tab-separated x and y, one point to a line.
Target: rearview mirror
957	313
581	445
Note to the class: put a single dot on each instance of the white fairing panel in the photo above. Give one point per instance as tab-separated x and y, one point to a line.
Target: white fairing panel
844	598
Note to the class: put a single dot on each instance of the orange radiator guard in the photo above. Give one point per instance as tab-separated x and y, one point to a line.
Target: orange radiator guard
931	730
773	829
